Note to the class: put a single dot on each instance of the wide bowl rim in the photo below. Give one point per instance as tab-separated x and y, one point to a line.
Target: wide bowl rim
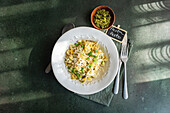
97	87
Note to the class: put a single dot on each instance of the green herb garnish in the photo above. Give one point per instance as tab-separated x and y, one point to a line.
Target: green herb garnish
95	60
88	58
94	56
82	45
77	76
96	50
68	67
76	71
90	53
72	70
90	65
76	44
102	62
82	69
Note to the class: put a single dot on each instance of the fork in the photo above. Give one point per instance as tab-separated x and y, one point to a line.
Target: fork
124	58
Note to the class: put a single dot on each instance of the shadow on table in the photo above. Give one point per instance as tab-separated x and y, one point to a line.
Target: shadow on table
35	28
39	29
8	3
152	93
150	12
160	54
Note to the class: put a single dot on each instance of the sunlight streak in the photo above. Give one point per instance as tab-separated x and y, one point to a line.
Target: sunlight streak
27	7
12	80
149	7
151	13
152	75
7	44
69	20
14	59
152	53
27	96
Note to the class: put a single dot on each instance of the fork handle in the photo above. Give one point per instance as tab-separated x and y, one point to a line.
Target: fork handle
116	86
125	90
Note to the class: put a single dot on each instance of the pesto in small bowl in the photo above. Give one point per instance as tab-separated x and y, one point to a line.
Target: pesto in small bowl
102	18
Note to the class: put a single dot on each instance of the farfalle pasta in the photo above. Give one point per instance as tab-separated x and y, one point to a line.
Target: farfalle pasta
83	60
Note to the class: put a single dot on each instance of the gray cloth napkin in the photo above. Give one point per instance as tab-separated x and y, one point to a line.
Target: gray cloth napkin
105	96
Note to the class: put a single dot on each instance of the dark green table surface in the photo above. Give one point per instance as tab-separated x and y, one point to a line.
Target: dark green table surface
29	29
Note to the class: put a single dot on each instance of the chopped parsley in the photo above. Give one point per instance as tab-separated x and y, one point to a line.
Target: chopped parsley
90	53
72	70
82	69
102	62
77	75
76	71
76	44
94	56
81	73
82	45
95	60
96	50
88	58
90	65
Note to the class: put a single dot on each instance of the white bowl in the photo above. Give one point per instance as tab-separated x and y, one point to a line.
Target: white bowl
63	76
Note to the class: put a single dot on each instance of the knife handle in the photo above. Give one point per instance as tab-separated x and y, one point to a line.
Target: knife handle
116	86
125	90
